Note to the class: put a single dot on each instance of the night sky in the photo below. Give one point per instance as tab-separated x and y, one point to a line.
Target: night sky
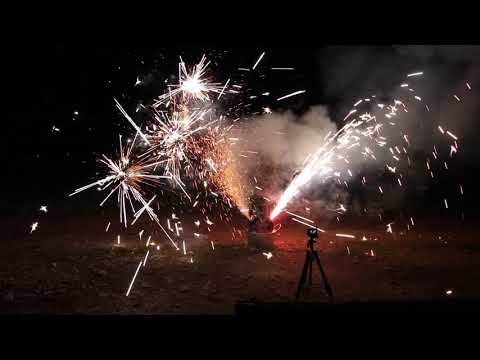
49	81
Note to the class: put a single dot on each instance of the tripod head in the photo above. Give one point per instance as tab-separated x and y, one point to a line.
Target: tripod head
312	234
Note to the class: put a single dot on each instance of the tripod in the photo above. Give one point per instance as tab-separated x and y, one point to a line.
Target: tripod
312	254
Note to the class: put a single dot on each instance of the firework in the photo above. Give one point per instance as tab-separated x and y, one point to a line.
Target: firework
194	84
174	139
365	131
185	143
125	176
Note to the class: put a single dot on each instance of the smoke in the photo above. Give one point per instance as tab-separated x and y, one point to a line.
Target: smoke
347	73
278	145
283	140
287	139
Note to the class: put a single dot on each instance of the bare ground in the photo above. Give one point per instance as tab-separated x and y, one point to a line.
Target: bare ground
72	266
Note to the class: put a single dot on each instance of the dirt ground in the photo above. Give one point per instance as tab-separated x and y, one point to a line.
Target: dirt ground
72	266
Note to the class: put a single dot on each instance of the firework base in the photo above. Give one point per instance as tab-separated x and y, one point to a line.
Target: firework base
261	241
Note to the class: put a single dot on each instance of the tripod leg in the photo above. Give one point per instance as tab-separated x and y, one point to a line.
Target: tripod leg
325	280
303	277
310	263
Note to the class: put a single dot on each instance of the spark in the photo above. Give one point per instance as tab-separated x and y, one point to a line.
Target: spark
43	208
345	236
108	226
389	228
223	89
457	98
292	94
453	150
146	256
33	227
135	126
137	82
468	86
133	279
449	292
350	113
415	74
284	68
452	135
298	216
268	255
446	203
258	61
147	207
213	246
309	225
118	239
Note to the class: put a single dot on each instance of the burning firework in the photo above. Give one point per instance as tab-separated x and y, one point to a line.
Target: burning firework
174	140
193	84
126	175
365	133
